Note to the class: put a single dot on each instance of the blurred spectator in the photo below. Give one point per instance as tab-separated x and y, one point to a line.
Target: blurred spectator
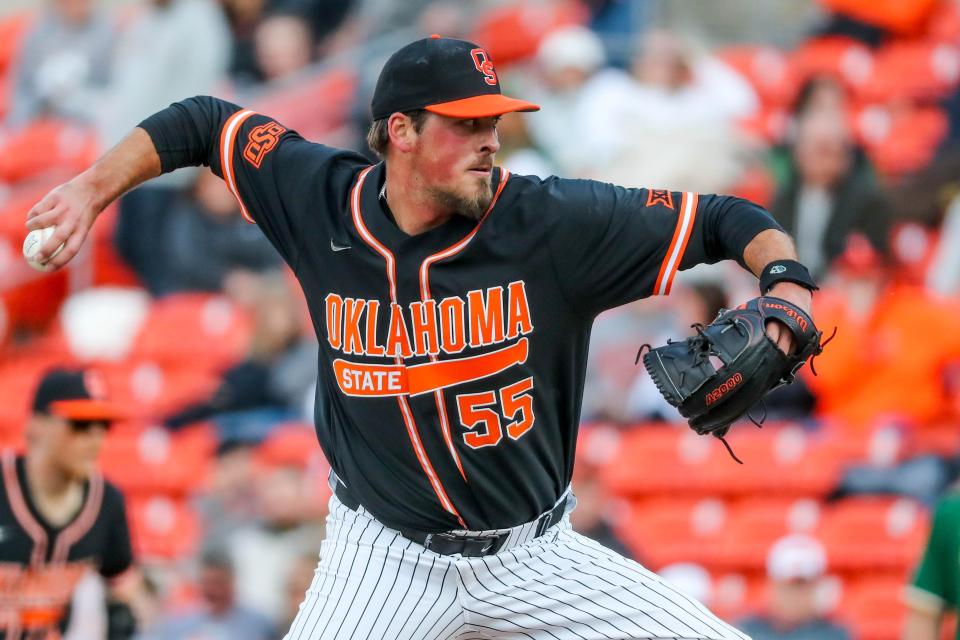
298	581
617	22
229	500
862	372
63	61
796	566
53	492
284	46
173	49
673	125
243	16
278	376
933	592
517	151
829	192
291	508
821	93
218	615
206	240
573	84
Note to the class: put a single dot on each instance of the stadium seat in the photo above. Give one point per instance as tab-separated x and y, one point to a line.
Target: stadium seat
944	25
844	58
12	30
873	533
873	608
150	460
756	523
768	69
805	464
663	531
901	140
202	331
109	269
513	32
163	528
912	70
768	126
152	391
314	107
45	145
656	460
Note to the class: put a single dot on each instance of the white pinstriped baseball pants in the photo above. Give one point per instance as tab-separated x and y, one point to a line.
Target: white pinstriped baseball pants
372	583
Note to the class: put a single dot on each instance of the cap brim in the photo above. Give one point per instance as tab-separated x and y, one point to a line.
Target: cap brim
484	106
87	410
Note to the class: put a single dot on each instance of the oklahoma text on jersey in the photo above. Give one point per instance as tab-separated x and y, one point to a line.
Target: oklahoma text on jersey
427	328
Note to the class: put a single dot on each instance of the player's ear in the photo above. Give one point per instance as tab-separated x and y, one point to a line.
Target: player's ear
403	135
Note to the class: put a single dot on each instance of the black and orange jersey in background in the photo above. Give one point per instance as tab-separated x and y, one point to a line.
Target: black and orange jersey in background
452	362
40	565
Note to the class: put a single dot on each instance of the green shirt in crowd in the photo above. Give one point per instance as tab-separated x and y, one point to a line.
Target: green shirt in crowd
936	585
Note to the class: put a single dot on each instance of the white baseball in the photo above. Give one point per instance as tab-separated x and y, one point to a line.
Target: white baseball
32	244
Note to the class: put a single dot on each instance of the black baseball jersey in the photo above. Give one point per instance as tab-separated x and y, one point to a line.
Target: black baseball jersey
40	565
452	362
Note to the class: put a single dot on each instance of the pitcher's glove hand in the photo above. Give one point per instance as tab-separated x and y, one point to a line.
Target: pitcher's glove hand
716	376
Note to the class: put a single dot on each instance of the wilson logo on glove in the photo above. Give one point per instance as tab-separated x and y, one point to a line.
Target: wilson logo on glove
801	321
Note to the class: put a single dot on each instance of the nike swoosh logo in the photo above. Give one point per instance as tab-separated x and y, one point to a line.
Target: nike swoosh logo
338	247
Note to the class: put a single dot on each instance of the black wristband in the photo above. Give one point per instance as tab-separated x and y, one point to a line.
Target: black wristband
785	271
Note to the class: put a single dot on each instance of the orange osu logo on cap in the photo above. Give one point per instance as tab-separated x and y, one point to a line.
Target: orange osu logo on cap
481	60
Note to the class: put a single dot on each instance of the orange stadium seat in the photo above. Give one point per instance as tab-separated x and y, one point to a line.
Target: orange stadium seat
151	391
873	533
804	464
109	269
944	25
150	460
46	145
873	607
162	528
843	58
20	372
12	30
655	460
755	524
206	332
901	140
768	69
912	70
513	32
314	107
663	531
768	125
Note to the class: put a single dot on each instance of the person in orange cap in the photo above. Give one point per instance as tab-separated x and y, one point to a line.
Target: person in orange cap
59	519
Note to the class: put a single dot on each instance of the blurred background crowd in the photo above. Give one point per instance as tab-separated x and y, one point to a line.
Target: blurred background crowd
842	117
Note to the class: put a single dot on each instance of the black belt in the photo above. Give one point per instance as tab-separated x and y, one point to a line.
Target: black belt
448	544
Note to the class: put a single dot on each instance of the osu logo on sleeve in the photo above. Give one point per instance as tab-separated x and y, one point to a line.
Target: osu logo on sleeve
262	141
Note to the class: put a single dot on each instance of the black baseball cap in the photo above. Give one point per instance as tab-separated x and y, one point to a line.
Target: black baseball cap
442	75
75	394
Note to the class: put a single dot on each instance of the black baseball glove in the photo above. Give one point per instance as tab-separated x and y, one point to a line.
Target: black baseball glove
717	375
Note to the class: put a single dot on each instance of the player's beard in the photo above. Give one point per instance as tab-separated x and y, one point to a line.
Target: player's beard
473	206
